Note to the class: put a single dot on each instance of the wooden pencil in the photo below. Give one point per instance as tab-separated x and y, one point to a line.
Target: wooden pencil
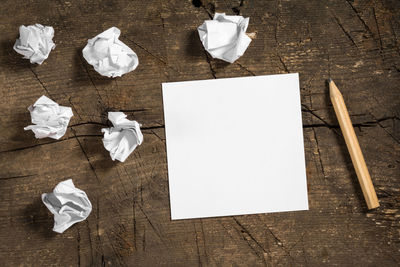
353	146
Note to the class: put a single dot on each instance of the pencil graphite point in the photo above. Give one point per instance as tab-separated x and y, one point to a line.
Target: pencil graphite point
332	91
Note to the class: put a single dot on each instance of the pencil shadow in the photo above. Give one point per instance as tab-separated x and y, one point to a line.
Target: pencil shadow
331	115
39	219
340	142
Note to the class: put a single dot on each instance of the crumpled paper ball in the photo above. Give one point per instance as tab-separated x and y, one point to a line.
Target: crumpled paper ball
35	42
50	119
225	37
108	55
68	204
122	139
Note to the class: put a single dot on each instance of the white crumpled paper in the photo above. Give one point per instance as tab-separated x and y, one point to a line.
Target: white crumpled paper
108	55
225	37
123	138
35	42
50	119
68	204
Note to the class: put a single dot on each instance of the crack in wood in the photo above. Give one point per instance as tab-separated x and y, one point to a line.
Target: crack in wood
250	235
358	125
379	32
309	110
98	232
209	13
325	124
378	121
204	238
163	140
73	106
256	252
90	242
245	68
49	143
16	177
134	224
134	110
78	240
197	245
88	123
152	225
319	153
344	30
360	18
212	71
118	255
85	154
283	63
278	6
153	127
41	83
144	239
381	53
151	54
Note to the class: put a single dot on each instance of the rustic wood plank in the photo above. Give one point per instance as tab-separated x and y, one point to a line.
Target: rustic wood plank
354	42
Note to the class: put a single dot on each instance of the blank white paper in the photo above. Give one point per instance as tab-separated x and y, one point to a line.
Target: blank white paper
235	146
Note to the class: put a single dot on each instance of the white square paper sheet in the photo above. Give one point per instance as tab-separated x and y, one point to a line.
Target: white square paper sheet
235	146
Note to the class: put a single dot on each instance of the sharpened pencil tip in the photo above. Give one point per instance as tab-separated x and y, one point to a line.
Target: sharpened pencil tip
330	80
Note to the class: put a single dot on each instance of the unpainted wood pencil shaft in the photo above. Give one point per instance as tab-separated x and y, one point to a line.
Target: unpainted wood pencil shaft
353	146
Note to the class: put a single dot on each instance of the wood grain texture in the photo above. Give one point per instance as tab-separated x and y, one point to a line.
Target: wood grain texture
354	42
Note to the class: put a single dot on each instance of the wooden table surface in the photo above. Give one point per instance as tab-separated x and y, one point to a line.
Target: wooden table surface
354	42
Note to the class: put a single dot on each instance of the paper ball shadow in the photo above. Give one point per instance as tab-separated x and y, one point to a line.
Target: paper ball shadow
82	68
21	136
39	219
11	58
194	48
94	149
